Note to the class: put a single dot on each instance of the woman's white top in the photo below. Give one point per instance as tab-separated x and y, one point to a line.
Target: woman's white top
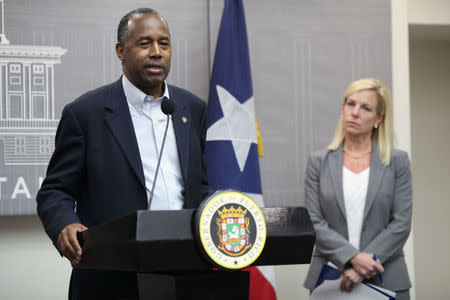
355	191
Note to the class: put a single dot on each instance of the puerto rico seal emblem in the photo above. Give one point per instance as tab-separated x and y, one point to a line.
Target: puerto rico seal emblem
230	230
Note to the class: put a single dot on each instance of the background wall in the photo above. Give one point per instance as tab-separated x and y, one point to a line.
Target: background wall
401	102
430	111
429	12
307	52
429	38
31	267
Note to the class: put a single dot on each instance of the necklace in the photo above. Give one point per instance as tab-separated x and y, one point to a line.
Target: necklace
355	156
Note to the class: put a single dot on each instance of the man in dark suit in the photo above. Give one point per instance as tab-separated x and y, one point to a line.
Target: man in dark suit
107	144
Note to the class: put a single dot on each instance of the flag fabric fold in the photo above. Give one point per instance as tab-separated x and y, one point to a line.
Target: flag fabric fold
231	153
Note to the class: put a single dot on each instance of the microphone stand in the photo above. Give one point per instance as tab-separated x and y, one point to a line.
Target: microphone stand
167	107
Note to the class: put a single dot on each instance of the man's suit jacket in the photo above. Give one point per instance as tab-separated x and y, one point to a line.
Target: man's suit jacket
386	219
96	169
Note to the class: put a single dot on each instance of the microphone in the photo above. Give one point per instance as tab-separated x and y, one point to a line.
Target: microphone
167	107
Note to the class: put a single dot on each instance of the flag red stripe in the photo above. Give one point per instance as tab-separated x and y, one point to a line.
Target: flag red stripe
260	287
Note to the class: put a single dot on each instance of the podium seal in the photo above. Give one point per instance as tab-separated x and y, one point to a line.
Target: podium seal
231	230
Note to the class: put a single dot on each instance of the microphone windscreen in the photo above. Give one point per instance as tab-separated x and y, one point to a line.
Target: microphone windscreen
167	106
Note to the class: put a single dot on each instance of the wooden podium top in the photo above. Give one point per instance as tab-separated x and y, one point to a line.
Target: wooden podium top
163	241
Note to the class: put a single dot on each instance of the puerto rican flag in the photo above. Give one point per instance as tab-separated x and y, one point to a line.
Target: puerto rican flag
231	153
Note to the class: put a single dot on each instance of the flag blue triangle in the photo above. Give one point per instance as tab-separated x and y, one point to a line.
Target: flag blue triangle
231	71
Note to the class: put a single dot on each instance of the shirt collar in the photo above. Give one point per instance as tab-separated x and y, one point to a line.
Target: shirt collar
138	98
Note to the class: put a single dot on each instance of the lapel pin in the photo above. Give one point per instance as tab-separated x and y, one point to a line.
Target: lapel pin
184	119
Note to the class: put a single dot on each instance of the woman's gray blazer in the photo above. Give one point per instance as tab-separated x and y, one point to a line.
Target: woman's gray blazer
386	219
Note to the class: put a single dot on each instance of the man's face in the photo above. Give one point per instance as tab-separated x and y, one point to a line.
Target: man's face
147	53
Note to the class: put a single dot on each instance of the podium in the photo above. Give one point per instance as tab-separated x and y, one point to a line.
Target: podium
161	248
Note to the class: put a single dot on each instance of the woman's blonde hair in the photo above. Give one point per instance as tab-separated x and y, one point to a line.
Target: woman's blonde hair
382	135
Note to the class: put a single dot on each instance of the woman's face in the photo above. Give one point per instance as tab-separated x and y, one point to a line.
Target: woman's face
359	113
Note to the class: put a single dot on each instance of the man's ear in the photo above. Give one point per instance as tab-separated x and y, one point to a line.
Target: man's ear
119	52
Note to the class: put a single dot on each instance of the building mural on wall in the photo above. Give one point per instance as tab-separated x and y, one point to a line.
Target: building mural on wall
27	111
27	117
27	114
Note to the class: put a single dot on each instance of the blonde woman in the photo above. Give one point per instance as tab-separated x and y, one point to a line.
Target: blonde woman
358	193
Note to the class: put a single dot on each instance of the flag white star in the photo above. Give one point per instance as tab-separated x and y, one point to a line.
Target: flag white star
237	125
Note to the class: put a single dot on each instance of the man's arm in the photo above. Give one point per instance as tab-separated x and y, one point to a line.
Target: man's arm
57	196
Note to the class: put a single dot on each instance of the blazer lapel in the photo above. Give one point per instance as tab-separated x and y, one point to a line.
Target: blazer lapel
181	120
118	119
375	177
335	165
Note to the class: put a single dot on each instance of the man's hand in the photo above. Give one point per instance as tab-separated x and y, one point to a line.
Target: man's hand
365	265
68	242
350	278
